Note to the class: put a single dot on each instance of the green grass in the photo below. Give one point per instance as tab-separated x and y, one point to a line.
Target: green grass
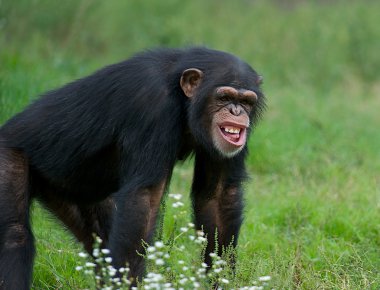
313	203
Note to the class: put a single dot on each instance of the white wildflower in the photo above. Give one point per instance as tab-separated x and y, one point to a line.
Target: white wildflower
220	262
177	204
160	262
264	279
176	196
200	233
89	264
159	244
95	252
82	255
200	240
151	249
106	251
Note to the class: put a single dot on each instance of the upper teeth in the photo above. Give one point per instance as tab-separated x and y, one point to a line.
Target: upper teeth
232	130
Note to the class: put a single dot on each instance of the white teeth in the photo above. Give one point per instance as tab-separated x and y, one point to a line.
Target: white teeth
232	130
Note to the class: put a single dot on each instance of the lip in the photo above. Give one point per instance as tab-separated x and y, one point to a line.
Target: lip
233	124
237	139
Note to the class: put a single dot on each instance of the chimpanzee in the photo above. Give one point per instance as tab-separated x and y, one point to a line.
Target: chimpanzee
99	154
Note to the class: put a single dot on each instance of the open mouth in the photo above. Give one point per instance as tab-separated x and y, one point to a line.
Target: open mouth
234	134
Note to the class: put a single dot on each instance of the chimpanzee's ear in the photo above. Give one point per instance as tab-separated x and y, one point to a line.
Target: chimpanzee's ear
259	80
190	80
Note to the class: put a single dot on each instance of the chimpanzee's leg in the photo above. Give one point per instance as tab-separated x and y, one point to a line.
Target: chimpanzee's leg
16	238
135	220
217	203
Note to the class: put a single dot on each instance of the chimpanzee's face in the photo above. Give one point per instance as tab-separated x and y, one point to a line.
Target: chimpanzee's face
231	109
224	114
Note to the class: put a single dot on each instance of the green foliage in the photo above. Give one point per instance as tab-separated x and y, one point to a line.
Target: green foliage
312	206
305	43
169	265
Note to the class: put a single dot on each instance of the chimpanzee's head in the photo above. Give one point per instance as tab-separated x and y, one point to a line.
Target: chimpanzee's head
225	103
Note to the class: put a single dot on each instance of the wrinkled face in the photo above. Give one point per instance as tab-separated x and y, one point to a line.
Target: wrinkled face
230	121
226	113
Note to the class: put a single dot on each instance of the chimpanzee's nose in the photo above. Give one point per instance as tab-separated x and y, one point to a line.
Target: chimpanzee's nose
235	110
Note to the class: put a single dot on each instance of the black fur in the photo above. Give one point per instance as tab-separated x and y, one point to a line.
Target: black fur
99	151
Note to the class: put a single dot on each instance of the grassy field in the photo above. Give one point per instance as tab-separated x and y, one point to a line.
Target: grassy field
312	218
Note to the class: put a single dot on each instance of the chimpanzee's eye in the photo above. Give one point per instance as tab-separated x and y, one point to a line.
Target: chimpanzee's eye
224	99
246	103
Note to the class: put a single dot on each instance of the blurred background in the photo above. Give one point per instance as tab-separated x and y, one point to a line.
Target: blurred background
313	205
302	43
